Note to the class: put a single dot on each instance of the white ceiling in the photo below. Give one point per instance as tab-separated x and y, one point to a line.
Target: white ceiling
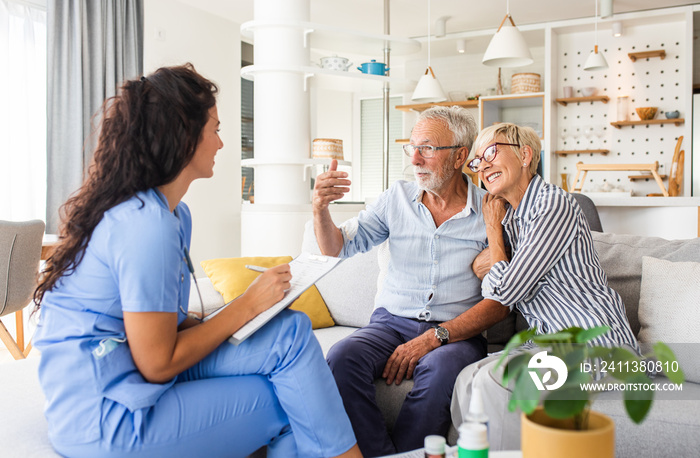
409	18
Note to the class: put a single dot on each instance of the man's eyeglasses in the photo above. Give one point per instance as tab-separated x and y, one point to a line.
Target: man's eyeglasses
425	151
488	156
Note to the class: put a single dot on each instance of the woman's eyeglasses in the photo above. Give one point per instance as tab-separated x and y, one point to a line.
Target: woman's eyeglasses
489	155
425	151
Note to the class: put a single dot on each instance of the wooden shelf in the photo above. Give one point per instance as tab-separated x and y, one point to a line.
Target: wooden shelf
646	54
645	177
595	98
425	106
676	121
582	151
403	141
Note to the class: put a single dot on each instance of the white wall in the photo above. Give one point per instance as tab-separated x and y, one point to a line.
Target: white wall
175	33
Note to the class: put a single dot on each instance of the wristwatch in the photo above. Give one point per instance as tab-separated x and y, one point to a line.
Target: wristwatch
442	334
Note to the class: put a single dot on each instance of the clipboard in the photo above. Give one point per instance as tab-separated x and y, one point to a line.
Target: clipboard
306	269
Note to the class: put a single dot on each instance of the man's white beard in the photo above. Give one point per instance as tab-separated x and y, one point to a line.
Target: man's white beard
434	181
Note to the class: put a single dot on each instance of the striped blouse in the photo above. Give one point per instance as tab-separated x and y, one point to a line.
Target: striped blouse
554	276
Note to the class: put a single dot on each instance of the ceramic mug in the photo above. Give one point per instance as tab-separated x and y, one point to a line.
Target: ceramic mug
568	91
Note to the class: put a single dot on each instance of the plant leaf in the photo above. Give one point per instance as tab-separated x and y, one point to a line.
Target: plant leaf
621	364
587	335
516	341
665	355
525	395
514	367
638	403
564	408
557	337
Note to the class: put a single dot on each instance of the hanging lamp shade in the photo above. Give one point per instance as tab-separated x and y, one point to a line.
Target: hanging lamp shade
428	89
507	47
596	61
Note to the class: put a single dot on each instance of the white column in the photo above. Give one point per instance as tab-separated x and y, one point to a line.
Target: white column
282	120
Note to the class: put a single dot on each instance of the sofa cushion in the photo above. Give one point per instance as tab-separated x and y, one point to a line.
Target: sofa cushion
231	278
669	310
327	337
350	288
621	258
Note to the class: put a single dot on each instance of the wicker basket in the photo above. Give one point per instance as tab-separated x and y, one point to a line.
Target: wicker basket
327	148
524	82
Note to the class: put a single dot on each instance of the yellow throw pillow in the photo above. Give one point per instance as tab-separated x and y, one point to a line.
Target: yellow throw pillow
230	278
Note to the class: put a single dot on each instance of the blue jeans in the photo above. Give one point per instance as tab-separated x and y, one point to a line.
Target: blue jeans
273	389
359	359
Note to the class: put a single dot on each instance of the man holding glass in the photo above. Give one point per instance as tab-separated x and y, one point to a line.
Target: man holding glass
426	324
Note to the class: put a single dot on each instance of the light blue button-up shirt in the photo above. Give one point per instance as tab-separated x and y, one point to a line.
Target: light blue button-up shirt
429	275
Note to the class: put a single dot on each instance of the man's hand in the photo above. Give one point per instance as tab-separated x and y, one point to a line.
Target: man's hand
331	185
405	358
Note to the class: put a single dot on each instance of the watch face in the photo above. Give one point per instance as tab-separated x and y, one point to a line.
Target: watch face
442	334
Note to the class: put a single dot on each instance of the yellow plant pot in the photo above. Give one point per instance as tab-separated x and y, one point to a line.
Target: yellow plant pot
545	437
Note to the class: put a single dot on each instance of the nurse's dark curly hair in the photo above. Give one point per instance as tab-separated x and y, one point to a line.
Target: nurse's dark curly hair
149	133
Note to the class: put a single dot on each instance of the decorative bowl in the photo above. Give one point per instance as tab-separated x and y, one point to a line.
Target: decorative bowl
672	114
646	113
589	91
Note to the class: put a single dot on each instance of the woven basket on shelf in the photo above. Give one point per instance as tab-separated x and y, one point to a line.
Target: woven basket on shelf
524	82
327	148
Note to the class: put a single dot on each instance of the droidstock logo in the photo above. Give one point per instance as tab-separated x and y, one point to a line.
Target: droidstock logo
542	361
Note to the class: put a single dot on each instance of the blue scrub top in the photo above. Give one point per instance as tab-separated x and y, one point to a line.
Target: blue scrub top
134	262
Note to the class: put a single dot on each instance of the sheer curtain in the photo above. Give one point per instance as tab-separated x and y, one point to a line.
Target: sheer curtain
22	110
93	47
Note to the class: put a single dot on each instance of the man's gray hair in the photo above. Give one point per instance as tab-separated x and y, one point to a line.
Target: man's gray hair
458	120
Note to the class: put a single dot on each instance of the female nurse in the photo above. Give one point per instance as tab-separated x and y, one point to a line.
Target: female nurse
124	369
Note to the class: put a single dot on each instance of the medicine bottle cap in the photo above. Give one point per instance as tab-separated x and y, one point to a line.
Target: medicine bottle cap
434	445
473	436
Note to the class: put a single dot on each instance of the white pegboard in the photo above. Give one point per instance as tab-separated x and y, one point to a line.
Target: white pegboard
647	82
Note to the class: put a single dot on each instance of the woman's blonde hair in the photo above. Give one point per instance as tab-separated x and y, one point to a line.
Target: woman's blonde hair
511	133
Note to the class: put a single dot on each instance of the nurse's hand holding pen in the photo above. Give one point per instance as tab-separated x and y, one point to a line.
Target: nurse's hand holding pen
269	287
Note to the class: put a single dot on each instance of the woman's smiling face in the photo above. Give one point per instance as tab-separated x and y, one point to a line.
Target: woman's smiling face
505	171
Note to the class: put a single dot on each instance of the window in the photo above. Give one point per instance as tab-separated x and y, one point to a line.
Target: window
247	131
23	110
371	146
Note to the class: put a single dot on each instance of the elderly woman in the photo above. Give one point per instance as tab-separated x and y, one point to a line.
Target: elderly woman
552	276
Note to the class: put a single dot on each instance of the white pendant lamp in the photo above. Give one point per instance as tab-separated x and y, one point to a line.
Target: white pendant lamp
428	89
507	47
596	61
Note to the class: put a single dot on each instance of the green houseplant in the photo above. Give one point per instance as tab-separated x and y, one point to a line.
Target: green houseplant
585	365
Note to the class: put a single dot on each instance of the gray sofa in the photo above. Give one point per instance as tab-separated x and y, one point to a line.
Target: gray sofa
671	429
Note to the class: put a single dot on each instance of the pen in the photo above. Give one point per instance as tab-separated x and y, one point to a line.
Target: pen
256	268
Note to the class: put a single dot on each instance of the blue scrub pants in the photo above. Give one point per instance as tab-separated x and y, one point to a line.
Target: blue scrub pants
274	388
359	359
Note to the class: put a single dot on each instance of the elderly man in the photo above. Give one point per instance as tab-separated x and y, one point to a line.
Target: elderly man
426	324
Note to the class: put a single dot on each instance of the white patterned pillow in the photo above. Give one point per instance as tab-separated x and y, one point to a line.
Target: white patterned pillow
669	309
